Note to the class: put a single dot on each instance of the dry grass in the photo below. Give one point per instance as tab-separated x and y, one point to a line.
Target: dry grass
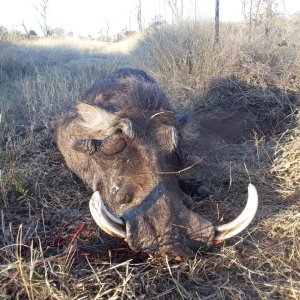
50	248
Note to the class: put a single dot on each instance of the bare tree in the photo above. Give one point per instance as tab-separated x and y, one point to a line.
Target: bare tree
260	12
247	8
181	9
107	28
138	14
257	10
24	27
157	22
244	10
269	16
217	21
250	15
174	10
42	8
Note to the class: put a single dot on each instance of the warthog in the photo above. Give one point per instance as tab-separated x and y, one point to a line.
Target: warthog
124	141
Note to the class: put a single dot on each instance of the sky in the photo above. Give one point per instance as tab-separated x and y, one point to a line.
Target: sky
90	17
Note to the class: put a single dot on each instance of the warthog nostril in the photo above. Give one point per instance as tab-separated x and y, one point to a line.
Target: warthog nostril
124	196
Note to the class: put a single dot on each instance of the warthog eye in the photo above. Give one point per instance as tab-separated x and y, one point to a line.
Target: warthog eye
111	145
87	146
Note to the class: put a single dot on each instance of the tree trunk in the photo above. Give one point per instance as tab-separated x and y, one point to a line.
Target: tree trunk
139	17
269	16
217	21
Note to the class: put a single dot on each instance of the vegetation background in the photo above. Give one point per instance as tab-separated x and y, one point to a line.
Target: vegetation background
49	246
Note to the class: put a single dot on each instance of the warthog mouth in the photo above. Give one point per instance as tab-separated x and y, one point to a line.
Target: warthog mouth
118	227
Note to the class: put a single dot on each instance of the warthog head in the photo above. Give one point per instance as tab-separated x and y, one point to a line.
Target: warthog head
124	141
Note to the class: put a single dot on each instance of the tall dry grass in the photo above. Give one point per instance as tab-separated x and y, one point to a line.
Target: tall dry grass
50	248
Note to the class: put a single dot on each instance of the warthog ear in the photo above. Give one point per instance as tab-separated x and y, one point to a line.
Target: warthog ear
168	137
95	118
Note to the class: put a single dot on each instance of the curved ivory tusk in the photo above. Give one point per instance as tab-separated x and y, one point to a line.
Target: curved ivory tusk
104	219
243	220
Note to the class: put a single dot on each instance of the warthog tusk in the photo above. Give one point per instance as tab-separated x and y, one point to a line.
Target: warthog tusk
104	219
243	220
